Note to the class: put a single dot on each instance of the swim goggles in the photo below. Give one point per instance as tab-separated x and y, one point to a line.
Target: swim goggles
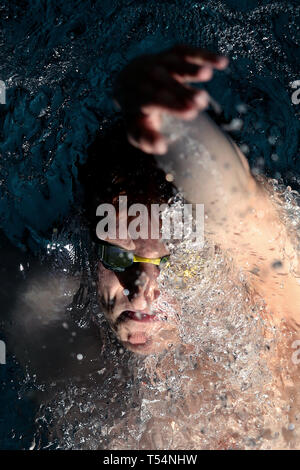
118	259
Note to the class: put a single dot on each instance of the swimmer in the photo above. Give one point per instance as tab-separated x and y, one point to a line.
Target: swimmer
240	217
241	220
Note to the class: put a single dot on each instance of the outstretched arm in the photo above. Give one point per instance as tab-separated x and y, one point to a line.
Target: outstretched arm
210	169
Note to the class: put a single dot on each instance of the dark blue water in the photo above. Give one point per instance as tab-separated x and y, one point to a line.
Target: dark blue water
59	60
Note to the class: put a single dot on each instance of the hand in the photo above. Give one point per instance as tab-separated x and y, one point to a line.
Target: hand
154	84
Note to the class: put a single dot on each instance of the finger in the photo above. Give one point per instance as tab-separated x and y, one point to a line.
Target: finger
169	95
160	79
184	71
200	56
186	110
142	132
204	74
165	101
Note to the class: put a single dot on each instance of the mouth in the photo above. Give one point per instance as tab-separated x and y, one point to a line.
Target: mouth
142	332
138	316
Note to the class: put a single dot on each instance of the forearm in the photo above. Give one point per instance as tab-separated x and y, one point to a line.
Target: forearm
208	168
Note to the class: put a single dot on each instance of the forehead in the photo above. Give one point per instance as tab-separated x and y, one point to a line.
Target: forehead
134	228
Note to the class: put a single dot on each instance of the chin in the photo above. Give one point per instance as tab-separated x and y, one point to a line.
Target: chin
147	338
150	347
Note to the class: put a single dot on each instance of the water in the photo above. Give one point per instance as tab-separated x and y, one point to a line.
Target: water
231	384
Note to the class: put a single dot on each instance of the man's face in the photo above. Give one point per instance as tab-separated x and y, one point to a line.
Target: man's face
131	300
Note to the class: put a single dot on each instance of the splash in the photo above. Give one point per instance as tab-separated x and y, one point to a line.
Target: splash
227	383
58	94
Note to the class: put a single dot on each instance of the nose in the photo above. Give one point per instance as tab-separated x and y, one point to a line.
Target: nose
147	290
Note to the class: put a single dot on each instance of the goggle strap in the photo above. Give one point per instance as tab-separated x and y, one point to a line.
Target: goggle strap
139	259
